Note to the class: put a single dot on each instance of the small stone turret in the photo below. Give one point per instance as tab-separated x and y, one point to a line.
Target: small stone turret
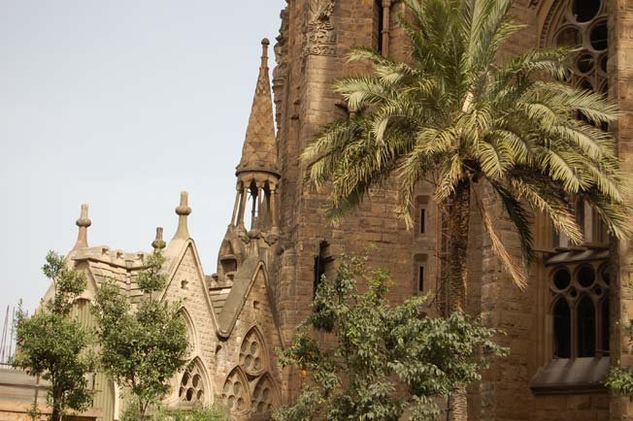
254	225
258	170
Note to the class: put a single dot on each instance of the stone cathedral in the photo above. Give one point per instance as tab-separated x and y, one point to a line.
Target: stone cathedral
563	332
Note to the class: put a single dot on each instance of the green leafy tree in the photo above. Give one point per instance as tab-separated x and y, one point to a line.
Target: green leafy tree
54	345
380	362
142	348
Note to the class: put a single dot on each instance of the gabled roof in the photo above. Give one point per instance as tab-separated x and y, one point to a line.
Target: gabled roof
259	152
242	284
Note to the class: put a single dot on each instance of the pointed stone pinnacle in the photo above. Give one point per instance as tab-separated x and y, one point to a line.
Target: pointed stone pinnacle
259	153
83	223
158	242
183	210
265	44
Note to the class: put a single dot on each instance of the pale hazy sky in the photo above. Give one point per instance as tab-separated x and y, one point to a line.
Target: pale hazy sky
120	104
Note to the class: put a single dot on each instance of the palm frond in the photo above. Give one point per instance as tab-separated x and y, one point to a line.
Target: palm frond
516	272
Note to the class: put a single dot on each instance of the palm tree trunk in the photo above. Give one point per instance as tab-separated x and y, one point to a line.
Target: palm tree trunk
455	273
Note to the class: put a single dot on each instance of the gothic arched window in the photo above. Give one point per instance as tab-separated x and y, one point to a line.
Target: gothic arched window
582	24
236	392
562	329
192	385
580	311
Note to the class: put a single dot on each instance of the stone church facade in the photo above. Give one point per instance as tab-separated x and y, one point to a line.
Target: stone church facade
563	332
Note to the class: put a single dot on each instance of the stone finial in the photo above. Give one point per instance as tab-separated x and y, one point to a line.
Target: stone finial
83	223
158	242
265	44
183	211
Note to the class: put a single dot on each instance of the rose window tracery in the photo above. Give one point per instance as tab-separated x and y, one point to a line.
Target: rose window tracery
582	24
263	396
191	385
252	353
235	392
249	388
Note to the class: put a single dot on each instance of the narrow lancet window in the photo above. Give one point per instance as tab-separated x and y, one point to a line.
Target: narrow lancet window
562	329
586	328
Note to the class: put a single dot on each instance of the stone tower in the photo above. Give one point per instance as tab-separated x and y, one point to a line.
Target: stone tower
310	53
539	380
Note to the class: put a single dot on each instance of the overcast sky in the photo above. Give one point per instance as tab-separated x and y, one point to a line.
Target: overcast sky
120	104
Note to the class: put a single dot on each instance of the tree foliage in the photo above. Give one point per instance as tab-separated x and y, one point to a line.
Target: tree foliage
458	113
380	361
54	345
197	413
145	345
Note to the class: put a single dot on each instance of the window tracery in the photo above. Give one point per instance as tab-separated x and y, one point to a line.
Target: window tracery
582	24
580	310
249	387
264	396
235	391
192	387
252	353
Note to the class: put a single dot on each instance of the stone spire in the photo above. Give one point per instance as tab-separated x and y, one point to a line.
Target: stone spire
183	210
83	223
260	151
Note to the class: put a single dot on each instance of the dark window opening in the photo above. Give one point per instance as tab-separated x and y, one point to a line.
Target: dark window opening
380	17
599	36
586	328
562	329
421	279
586	276
605	326
562	278
320	263
585	10
422	221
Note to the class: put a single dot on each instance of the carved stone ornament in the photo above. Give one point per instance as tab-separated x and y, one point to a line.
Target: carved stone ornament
321	10
320	36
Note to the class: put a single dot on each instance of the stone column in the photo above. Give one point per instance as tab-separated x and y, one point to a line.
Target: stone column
242	210
386	26
236	206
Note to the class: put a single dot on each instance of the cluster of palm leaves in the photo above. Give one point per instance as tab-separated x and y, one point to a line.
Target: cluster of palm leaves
458	112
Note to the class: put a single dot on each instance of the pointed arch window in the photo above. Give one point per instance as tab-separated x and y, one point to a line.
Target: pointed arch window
236	392
253	353
192	385
321	263
562	329
580	311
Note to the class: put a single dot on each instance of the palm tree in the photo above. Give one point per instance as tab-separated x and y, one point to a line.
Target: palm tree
459	116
